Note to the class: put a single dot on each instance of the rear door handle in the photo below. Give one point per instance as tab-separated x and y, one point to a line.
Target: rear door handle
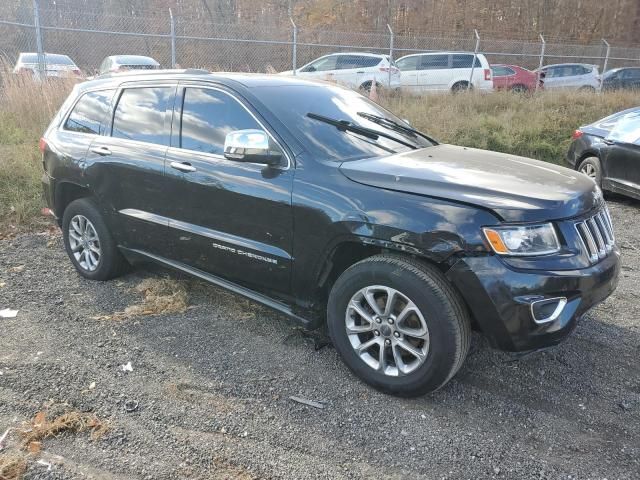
101	150
359	72
183	167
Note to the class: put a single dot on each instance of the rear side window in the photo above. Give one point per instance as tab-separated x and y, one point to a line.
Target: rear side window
140	114
502	71
89	115
464	61
208	116
434	62
356	61
631	74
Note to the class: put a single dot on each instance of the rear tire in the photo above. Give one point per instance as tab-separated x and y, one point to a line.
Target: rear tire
88	242
461	87
423	349
592	168
519	89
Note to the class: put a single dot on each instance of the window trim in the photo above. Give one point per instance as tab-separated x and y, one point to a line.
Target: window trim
169	110
177	116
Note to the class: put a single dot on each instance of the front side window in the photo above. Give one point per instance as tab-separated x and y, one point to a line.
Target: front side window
140	114
208	116
322	65
90	113
434	62
408	63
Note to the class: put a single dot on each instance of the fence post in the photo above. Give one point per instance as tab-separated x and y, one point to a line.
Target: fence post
173	39
542	48
606	58
390	52
475	56
294	46
38	32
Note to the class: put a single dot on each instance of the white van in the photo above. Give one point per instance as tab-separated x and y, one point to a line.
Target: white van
444	71
355	70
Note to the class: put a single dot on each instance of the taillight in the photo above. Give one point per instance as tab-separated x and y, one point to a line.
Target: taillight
576	135
487	74
42	145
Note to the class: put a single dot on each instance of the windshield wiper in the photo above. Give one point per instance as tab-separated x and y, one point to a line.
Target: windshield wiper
393	125
347	126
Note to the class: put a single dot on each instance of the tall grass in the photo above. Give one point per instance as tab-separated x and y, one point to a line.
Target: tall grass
537	126
26	108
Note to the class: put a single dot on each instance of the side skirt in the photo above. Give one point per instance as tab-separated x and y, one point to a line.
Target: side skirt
226	284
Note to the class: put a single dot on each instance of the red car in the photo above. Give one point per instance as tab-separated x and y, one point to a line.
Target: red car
514	78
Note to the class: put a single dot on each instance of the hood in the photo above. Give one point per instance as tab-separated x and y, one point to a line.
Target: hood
517	189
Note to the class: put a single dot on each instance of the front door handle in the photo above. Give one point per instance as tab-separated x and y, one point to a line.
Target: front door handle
101	150
183	167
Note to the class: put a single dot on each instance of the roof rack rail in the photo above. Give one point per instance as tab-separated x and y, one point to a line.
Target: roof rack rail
187	71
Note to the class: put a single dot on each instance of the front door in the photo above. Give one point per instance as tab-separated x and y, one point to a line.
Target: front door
227	218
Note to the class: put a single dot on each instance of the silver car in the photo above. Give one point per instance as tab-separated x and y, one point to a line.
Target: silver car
571	76
55	65
123	63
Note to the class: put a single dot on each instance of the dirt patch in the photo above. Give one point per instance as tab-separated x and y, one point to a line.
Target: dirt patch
13	465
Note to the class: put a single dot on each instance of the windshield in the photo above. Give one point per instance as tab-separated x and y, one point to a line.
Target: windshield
292	103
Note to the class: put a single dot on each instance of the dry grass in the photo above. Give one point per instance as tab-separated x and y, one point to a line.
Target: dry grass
30	435
537	126
13	465
160	296
41	428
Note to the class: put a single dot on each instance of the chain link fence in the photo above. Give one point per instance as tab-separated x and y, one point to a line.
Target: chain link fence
252	47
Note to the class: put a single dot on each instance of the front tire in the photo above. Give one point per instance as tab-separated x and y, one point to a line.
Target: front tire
592	168
88	242
398	324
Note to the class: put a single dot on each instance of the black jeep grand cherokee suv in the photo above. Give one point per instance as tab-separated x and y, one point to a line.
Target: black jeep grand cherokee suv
317	202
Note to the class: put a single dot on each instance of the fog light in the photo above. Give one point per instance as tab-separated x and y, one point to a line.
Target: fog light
548	309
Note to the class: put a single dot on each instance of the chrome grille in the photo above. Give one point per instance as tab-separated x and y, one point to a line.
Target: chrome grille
596	234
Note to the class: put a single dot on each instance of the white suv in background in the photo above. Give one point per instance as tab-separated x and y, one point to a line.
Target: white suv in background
444	71
355	70
572	76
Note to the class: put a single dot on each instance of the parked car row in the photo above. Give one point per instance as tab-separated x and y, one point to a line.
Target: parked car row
416	73
56	65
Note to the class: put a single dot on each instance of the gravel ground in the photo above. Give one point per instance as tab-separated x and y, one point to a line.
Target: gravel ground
212	387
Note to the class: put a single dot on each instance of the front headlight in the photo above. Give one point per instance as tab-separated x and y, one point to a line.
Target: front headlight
523	240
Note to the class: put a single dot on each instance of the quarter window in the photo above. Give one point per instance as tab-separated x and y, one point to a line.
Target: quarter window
140	114
208	116
90	113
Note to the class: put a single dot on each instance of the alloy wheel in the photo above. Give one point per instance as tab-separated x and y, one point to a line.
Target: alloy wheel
84	243
387	330
589	170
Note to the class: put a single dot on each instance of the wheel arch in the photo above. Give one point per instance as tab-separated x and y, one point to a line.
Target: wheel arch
65	193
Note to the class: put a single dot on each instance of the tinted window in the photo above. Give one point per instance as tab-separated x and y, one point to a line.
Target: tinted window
502	71
432	62
208	116
356	61
324	141
464	61
631	74
408	63
580	70
90	113
140	114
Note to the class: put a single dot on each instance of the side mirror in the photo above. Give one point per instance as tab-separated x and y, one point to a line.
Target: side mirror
252	146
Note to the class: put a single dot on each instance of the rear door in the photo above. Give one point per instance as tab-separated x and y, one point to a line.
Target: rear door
228	218
126	168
